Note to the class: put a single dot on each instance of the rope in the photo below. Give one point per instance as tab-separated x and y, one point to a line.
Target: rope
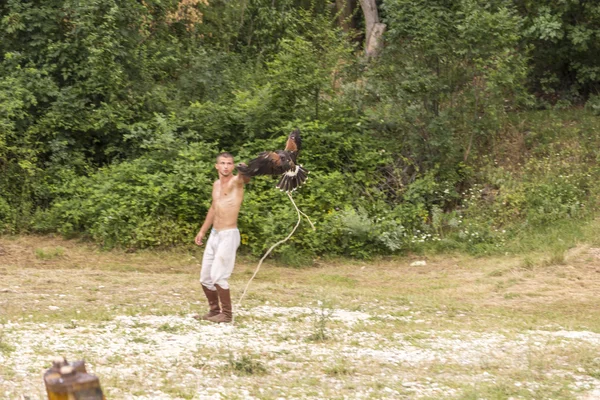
271	249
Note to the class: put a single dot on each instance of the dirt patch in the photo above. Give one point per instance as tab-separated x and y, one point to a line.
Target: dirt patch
169	354
454	328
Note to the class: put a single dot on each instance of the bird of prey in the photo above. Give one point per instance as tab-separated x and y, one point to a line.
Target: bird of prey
279	162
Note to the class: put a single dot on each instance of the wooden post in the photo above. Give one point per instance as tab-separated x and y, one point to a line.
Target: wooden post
66	381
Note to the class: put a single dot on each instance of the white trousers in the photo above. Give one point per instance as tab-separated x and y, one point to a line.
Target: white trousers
219	258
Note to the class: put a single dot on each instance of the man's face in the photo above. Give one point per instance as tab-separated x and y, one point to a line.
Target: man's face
225	166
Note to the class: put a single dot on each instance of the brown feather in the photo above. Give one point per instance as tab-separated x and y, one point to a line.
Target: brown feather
275	158
290	145
294	141
267	163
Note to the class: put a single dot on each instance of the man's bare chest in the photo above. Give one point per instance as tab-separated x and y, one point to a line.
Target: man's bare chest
227	194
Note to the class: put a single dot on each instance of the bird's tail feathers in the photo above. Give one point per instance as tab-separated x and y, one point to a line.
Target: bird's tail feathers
293	179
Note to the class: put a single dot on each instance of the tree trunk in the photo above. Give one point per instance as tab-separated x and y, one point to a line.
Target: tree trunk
345	10
374	28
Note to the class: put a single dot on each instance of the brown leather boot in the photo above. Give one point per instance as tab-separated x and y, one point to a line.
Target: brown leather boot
213	303
226	310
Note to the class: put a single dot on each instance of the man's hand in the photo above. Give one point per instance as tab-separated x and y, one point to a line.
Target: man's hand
199	238
242	169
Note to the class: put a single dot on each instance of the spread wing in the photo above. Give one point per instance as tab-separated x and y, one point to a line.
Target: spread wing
267	163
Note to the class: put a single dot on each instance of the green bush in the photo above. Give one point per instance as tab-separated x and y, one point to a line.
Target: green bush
149	201
593	104
160	198
5	213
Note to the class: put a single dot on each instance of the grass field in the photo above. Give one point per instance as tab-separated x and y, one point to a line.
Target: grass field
505	327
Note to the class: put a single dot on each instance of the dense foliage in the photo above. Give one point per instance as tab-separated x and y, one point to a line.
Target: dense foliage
111	114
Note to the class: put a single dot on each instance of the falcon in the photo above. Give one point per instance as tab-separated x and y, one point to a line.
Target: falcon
279	162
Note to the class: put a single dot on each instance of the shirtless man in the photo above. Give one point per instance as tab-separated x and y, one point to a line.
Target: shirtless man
224	239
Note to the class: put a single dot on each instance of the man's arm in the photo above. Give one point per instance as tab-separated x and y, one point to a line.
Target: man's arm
208	221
